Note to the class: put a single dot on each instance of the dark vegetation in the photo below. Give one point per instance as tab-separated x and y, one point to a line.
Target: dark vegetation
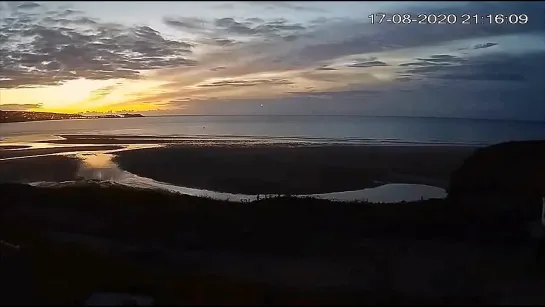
66	273
27	116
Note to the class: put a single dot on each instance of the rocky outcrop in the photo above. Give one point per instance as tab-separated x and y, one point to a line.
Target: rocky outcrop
507	177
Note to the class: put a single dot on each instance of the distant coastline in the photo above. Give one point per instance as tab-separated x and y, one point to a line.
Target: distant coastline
25	116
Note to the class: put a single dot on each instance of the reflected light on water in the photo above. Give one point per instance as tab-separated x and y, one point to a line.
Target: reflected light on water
97	160
99	166
30	138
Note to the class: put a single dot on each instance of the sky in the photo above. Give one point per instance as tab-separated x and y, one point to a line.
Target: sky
271	57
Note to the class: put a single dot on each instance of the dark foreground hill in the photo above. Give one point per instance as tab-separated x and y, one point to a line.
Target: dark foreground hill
504	177
181	249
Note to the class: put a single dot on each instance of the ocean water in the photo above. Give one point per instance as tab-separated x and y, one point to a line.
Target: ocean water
343	129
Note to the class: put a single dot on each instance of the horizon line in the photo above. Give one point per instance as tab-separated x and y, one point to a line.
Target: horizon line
307	115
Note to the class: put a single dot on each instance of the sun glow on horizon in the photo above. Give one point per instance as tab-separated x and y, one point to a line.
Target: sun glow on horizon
83	95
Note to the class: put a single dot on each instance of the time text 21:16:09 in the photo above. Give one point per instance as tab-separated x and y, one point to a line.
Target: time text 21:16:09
446	19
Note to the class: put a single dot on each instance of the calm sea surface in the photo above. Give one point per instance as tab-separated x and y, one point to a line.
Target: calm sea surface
351	129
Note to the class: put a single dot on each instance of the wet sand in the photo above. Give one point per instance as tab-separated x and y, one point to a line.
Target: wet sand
256	168
11	147
197	140
49	168
9	153
279	169
112	140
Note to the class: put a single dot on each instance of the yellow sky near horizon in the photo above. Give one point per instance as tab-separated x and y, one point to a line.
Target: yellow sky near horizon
82	95
147	94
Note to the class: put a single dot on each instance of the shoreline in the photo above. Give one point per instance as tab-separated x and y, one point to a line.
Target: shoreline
226	140
252	168
26	151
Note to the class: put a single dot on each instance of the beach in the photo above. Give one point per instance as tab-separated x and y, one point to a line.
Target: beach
281	169
269	154
246	167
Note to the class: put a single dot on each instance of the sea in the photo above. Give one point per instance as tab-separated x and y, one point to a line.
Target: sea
321	129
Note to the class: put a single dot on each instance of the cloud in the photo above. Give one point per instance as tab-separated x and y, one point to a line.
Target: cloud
239	83
217	42
326	68
102	92
28	5
338	77
230	26
225	6
20	107
337	94
333	38
255	20
254	27
65	13
485	45
220	29
433	63
367	64
186	23
498	67
42	50
403	79
290	5
441	59
483	76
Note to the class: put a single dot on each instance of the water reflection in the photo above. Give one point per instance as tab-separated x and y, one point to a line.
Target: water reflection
389	193
100	166
30	138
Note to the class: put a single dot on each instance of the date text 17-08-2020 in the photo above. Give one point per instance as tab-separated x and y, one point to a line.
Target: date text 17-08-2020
446	19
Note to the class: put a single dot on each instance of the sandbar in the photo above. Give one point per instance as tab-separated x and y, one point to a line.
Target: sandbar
11	147
46	151
279	169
